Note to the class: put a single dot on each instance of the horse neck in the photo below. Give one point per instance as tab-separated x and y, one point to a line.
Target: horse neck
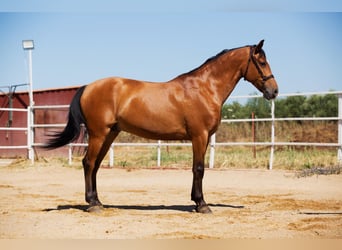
221	74
226	71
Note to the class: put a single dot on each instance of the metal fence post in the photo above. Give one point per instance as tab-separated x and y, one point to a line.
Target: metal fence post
212	151
70	154
111	156
29	46
272	136
30	135
158	153
339	151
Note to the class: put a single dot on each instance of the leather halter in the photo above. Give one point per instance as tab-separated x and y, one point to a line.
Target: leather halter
251	57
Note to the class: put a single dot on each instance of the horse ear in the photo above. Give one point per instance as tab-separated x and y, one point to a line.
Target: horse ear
259	47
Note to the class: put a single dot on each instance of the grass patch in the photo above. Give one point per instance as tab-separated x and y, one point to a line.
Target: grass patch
309	159
147	157
227	157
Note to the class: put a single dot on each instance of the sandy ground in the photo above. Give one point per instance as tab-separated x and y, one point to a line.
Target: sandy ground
48	202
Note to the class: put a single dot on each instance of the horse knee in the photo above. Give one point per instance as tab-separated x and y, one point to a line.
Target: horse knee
198	170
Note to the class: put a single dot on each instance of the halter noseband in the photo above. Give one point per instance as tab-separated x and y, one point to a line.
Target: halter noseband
251	57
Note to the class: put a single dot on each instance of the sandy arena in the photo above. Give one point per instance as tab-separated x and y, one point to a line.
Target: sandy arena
48	202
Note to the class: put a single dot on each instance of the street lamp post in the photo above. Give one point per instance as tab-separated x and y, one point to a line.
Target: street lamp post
28	45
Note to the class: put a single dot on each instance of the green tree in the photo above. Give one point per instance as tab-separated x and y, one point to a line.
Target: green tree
291	106
233	111
260	106
321	106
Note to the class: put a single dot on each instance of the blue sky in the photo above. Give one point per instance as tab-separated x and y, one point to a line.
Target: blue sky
74	47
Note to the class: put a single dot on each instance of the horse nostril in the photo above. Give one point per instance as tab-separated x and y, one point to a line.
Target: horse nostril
276	92
271	93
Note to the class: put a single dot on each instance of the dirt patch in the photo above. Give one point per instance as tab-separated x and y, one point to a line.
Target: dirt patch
48	202
310	223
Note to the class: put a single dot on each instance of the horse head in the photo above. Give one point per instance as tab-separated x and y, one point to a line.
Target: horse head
258	72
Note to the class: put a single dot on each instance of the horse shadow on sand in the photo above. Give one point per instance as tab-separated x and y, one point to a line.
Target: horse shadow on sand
180	208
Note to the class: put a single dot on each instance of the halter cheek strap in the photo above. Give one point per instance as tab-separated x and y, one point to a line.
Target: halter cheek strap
251	58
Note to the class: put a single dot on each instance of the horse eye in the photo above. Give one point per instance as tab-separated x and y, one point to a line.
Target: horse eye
263	64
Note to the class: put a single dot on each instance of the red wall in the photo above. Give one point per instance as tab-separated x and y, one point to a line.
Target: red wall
41	116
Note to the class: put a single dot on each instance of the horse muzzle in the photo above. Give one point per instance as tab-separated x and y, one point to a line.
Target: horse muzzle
270	90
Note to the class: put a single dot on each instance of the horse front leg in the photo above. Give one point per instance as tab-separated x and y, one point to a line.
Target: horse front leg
199	146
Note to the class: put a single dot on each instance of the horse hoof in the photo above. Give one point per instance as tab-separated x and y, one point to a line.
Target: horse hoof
204	209
95	209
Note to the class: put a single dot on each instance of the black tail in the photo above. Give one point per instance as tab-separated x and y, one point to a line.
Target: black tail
72	129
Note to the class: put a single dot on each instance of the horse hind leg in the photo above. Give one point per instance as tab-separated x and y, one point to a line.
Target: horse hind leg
97	149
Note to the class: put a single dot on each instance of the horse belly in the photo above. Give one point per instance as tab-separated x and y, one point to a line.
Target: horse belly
160	122
158	128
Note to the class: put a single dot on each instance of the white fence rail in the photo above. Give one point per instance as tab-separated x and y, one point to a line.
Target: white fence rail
14	128
159	144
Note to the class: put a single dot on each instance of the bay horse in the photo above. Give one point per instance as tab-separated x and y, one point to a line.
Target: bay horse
187	107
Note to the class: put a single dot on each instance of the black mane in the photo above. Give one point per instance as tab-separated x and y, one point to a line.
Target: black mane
211	59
